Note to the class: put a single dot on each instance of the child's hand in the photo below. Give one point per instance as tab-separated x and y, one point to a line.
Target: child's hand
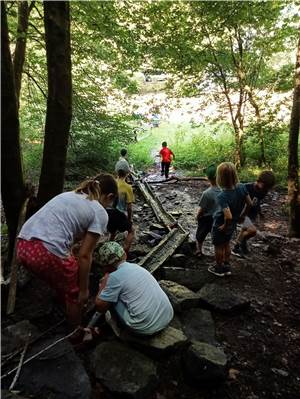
103	282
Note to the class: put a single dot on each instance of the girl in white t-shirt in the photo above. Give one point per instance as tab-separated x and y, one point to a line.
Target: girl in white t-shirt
45	240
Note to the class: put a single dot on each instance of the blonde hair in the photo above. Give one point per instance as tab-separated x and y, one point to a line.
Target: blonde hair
103	183
227	175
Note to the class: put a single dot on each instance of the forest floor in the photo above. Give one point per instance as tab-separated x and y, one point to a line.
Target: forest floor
262	344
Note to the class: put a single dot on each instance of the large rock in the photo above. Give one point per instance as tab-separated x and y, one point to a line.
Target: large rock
204	363
56	373
216	297
198	325
180	297
165	341
124	371
16	335
194	279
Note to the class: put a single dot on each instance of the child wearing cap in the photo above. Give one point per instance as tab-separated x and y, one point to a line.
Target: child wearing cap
207	206
131	293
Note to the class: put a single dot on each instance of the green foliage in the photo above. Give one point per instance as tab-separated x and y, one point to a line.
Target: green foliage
203	44
197	147
123	81
142	153
96	138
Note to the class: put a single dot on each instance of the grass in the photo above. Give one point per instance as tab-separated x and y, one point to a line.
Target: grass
197	147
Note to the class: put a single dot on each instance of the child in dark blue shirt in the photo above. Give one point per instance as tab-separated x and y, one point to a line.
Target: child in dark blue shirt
231	201
257	192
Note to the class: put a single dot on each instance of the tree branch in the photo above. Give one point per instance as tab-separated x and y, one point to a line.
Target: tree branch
36	83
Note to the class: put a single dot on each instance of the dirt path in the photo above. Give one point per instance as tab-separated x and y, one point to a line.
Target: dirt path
262	344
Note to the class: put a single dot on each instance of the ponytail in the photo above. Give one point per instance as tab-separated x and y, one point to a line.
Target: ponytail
103	183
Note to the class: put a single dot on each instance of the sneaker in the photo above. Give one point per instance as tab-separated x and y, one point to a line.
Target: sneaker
237	251
227	269
218	270
244	247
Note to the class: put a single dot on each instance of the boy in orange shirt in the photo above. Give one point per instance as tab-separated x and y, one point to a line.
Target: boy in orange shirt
167	157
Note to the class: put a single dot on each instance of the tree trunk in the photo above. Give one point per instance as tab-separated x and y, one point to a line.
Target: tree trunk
238	152
19	56
261	139
59	103
238	131
13	188
293	162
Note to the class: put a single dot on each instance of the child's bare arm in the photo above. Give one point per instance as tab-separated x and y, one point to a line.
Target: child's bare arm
199	213
227	219
247	208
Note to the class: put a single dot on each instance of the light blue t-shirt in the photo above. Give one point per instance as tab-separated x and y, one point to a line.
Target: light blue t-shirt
138	299
63	220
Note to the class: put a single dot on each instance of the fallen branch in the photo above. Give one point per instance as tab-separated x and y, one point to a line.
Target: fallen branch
176	179
202	178
19	365
14	264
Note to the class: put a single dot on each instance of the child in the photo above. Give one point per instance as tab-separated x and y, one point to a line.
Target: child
231	200
207	207
45	241
122	162
131	294
166	158
257	192
125	195
118	223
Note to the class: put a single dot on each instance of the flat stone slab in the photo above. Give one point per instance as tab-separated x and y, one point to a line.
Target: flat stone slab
167	340
205	363
218	298
194	279
198	325
124	371
180	297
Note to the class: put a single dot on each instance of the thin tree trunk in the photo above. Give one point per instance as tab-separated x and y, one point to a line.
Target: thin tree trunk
59	103
238	134
19	55
262	158
13	188
293	162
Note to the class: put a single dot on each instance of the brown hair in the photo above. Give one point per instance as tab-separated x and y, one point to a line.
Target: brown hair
267	177
103	183
122	173
227	175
